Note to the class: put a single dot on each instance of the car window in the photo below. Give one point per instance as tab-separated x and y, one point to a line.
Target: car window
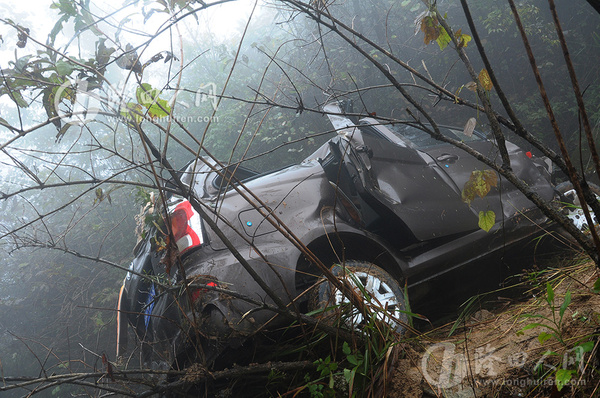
224	178
422	139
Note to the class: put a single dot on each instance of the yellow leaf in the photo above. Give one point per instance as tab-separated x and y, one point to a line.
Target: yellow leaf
487	219
484	79
443	38
463	39
479	184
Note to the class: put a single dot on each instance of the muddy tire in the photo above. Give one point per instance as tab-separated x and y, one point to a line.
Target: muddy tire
570	206
382	294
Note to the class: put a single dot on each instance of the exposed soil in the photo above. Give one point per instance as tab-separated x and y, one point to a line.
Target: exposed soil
491	355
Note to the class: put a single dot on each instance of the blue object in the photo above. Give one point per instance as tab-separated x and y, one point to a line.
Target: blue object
249	223
149	305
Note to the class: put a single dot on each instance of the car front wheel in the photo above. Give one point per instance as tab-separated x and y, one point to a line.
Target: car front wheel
572	208
381	293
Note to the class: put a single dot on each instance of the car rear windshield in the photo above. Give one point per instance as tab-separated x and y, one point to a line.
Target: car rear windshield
422	139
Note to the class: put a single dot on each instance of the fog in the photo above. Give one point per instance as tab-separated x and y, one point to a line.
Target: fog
249	89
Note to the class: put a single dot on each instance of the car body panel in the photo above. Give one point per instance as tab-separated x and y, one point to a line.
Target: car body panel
419	192
367	194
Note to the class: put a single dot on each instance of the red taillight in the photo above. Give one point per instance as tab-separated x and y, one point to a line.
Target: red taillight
199	292
179	224
186	226
529	154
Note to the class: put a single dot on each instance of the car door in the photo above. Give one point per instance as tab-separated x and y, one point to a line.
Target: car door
416	187
504	199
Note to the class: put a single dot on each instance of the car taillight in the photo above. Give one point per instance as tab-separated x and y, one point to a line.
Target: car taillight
196	294
186	226
179	224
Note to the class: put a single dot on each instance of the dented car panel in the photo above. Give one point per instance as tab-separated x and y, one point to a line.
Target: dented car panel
378	193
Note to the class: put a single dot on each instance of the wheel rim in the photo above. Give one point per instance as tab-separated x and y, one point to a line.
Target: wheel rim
575	212
383	302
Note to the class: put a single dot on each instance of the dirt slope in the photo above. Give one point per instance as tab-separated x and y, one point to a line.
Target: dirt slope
491	355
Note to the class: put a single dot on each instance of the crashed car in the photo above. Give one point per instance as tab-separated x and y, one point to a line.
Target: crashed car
380	201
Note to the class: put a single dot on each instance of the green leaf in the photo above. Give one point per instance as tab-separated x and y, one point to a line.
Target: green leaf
50	101
18	98
21	63
549	293
159	109
90	23
587	346
596	287
565	303
487	219
563	376
543	337
64	68
348	375
131	112
443	38
66	7
149	98
528	327
144	94
346	348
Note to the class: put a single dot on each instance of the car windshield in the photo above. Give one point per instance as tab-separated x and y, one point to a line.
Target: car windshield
422	139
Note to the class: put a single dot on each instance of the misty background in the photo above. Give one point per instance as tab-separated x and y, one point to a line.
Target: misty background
56	302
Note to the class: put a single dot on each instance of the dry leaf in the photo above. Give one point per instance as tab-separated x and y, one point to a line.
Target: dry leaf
484	79
470	127
471	86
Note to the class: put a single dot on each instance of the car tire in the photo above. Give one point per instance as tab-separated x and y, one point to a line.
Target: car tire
385	298
570	206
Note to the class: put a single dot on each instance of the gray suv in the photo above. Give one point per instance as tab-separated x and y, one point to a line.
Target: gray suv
381	202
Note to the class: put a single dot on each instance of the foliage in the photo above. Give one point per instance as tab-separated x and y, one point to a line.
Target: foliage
568	366
479	184
361	369
89	115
